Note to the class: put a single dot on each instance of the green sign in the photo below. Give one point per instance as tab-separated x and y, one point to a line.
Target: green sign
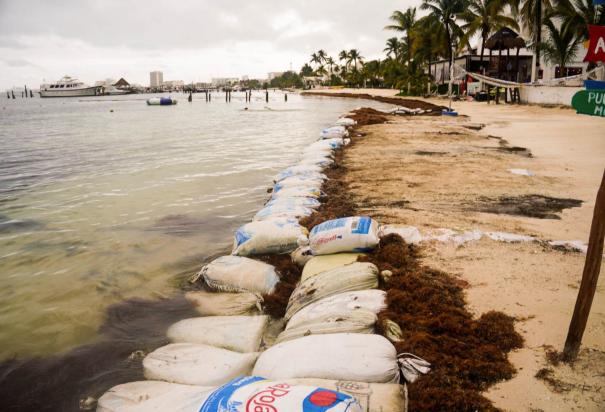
590	102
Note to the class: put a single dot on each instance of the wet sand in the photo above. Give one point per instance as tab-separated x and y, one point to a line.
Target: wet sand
437	172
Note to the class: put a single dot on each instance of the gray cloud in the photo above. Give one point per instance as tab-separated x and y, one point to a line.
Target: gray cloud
121	33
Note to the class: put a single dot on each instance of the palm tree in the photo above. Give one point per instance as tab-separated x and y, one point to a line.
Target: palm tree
321	70
579	14
444	12
404	22
562	44
322	55
485	17
393	47
315	58
529	13
343	56
330	62
354	56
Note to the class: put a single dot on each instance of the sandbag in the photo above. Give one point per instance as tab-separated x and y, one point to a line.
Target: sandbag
153	396
318	160
236	333
196	364
355	276
239	274
309	202
359	321
301	255
255	394
345	121
243	394
224	304
373	397
298	191
322	263
298	170
340	305
278	235
298	181
289	211
348	234
334	132
350	356
332	143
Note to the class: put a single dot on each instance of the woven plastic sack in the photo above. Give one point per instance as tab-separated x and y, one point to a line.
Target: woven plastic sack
355	276
298	181
236	333
298	170
309	202
224	304
282	210
351	356
298	191
372	300
279	235
348	234
318	264
196	364
239	274
359	321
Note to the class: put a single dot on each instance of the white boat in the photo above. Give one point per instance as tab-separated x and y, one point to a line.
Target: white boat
68	87
114	91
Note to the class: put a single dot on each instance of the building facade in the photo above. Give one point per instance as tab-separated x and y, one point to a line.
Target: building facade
156	78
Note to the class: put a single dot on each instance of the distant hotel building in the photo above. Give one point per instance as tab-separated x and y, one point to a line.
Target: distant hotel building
224	81
273	75
156	79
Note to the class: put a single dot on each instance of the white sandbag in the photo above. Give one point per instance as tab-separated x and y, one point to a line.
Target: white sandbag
243	394
355	276
294	181
317	160
309	202
224	304
322	263
298	170
256	394
236	333
153	396
239	274
196	364
373	397
359	321
334	132
410	234
332	143
290	211
280	235
350	356
345	121
372	300
298	191
348	234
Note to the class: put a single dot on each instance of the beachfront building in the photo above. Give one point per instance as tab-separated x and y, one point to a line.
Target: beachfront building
224	81
273	75
156	78
172	85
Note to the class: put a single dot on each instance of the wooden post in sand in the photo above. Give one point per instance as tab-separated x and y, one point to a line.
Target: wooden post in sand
590	276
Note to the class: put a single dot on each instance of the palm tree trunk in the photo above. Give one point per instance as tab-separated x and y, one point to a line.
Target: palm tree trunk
538	35
482	49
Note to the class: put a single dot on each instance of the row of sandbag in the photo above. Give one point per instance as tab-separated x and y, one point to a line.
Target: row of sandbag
212	349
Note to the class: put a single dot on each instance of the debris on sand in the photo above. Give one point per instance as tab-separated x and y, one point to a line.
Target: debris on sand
538	206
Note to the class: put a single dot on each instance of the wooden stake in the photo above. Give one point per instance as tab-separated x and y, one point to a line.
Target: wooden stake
590	276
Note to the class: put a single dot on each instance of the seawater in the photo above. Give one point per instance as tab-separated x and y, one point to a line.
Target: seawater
108	199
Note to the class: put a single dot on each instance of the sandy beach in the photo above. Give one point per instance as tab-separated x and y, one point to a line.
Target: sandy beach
438	172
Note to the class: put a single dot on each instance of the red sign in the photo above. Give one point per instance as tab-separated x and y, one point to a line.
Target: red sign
596	48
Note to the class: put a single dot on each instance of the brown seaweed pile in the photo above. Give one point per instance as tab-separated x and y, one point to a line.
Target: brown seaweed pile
275	304
531	205
467	355
409	103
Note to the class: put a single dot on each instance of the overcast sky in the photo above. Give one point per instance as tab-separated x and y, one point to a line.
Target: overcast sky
190	40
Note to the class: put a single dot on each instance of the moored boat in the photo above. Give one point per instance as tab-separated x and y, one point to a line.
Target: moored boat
68	87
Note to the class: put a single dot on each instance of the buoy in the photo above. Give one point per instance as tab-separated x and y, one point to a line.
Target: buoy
161	101
446	112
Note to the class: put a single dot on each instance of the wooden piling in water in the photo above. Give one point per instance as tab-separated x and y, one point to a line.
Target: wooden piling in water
590	277
26	91
267	96
286	97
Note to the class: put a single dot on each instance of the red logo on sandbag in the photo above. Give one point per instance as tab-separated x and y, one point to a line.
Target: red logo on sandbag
263	401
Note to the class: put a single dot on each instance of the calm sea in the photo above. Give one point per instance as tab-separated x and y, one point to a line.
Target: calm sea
108	199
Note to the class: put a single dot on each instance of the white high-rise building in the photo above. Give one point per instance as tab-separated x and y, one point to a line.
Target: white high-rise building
156	79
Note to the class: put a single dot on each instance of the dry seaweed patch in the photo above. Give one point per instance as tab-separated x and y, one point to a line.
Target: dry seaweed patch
468	355
275	303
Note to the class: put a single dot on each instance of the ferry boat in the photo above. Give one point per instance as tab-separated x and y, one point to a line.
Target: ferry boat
67	87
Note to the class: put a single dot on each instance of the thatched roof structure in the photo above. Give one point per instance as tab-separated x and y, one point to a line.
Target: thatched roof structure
504	39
